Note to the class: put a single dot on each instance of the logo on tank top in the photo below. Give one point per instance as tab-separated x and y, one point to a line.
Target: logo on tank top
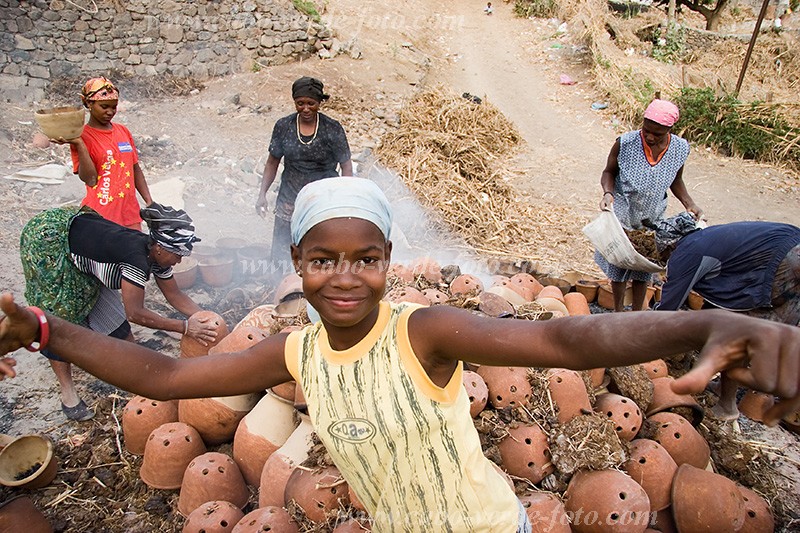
125	147
353	430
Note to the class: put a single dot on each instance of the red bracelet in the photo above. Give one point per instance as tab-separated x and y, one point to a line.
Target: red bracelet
44	330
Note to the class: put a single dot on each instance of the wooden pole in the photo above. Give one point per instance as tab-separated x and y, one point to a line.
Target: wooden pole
761	15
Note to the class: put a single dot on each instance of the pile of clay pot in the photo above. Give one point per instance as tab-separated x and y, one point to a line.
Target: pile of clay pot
594	451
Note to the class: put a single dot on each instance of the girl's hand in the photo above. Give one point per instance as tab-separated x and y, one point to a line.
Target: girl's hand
7	365
202	330
18	328
761	355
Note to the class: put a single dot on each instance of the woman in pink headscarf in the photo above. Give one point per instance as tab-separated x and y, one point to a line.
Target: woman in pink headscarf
641	167
105	158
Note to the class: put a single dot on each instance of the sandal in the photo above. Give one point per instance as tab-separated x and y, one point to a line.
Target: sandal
79	413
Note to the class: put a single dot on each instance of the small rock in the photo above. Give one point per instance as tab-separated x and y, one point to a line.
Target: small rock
40	140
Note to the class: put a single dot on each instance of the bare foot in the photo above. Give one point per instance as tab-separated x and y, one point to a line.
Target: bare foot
725	413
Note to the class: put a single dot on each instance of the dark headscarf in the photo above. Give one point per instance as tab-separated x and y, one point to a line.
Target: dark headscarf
171	228
309	87
669	231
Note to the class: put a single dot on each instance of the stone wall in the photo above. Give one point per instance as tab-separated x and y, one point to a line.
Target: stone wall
44	40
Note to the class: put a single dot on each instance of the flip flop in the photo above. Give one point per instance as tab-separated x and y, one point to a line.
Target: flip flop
79	413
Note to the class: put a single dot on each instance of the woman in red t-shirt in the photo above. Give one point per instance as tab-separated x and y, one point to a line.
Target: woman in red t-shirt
105	158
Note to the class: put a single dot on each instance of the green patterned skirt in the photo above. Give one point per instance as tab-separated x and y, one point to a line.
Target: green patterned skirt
52	281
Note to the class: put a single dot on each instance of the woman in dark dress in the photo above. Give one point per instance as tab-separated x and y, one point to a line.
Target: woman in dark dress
311	145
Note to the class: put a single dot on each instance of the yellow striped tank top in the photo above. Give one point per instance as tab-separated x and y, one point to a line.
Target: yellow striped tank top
407	447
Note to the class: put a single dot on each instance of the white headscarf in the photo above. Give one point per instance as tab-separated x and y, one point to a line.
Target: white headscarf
344	197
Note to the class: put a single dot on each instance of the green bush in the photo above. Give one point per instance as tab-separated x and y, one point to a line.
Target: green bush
307	7
752	131
535	8
672	46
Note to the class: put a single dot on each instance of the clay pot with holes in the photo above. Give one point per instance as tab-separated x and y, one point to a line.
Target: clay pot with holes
664	399
141	416
354	501
576	304
169	450
465	283
508	385
318	492
754	405
406	294
428	268
260	433
21	514
351	526
280	465
477	392
211	476
400	271
526	280
705	501
526	454
289	285
192	348
259	317
240	339
623	413
652	467
569	394
545	512
683	442
435	296
657	368
663	521
269	518
758	517
217	516
216	419
599	378
551	291
617	501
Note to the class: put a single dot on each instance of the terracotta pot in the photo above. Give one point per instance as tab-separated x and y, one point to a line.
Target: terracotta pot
213	517
260	433
576	304
435	296
522	291
552	304
588	288
300	399
216	419
318	492
477	392
545	512
406	294
506	293
623	413
141	416
695	301
352	526
427	268
605	297
201	252
657	368
758	517
664	399
230	246
254	260
216	271
568	393
663	521
754	405
270	518
291	284
465	283
169	450
259	317
280	465
28	462
211	476
400	271
526	454
66	122
705	501
608	500
551	291
563	285
599	378
285	391
527	280
354	501
240	339
508	385
681	439
652	467
20	514
494	305
191	348
792	422
185	273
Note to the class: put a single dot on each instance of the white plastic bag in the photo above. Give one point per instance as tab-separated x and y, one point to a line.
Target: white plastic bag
609	238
